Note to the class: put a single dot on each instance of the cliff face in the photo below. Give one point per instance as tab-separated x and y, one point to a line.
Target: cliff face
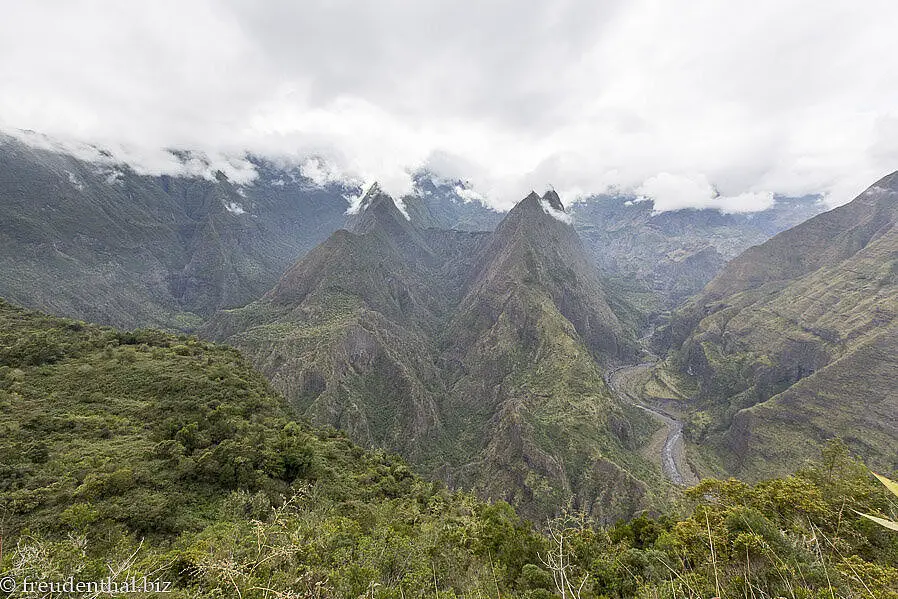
794	341
673	255
103	243
479	356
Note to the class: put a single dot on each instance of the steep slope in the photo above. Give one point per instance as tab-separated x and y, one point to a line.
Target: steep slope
347	333
99	241
94	239
478	356
796	341
530	341
663	258
535	247
452	205
144	454
127	455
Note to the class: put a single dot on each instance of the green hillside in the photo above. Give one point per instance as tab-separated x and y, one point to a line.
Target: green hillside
99	241
172	447
132	454
479	357
796	342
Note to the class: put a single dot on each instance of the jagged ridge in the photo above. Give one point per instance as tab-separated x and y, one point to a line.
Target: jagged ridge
796	340
479	356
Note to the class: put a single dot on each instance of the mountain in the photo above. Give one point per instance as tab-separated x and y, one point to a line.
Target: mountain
477	355
142	456
661	258
452	204
91	238
796	341
132	454
98	241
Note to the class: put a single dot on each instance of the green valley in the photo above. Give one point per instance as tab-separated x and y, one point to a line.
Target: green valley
795	342
477	356
141	454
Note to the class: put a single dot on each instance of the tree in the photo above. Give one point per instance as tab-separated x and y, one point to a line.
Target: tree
560	557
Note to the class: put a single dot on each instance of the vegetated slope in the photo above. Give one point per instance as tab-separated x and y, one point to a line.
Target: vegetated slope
478	356
93	239
100	242
660	259
173	449
138	454
527	346
796	341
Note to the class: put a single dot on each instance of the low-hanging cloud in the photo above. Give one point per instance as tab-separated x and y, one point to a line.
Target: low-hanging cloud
691	104
675	192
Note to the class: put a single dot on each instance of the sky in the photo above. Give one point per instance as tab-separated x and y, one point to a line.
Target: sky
691	103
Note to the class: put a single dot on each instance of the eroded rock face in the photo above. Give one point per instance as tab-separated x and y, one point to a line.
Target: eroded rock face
791	342
103	243
675	254
479	356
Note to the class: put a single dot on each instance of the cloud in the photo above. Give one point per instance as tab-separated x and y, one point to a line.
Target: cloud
319	172
559	215
675	192
671	98
356	200
466	194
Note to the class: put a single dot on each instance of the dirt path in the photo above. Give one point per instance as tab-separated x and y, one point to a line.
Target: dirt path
624	382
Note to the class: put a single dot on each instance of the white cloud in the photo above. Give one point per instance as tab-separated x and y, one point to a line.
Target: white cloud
360	201
234	208
75	181
675	192
673	98
400	205
355	200
560	215
319	172
467	194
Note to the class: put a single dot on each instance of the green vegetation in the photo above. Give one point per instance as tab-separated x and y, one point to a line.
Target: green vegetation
796	342
144	454
163	454
478	357
892	486
100	242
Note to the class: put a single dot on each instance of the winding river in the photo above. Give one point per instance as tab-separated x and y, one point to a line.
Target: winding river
673	452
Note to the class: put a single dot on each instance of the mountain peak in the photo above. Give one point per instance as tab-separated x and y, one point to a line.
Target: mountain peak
377	209
400	223
536	242
374	198
551	197
374	191
536	207
551	205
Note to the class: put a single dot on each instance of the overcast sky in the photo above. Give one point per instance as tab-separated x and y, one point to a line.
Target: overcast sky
675	100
